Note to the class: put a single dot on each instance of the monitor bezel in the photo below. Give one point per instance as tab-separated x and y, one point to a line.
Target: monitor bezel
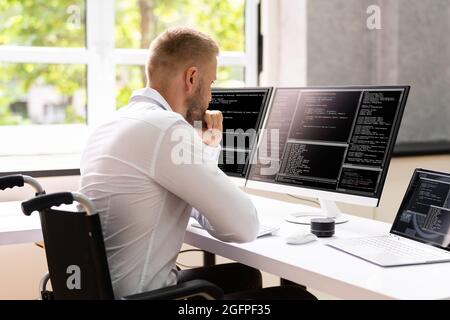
364	200
261	117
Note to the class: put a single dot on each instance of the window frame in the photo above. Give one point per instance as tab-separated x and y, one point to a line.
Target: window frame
101	58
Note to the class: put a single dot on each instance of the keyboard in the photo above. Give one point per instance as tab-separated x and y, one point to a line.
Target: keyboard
266	230
388	251
393	246
263	229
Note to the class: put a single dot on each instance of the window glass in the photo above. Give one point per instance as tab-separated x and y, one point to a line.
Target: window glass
140	21
44	23
42	93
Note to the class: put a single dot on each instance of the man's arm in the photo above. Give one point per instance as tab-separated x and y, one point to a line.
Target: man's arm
211	134
181	168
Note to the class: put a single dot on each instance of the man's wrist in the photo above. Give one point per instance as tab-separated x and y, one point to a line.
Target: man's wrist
211	152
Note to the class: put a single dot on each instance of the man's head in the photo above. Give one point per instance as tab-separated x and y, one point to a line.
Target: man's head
182	65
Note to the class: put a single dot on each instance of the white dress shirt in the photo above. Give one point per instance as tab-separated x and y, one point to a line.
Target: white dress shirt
134	169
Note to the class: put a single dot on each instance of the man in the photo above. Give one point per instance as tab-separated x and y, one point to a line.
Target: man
147	169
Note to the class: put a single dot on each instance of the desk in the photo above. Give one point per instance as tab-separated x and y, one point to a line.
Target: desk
314	265
17	228
324	268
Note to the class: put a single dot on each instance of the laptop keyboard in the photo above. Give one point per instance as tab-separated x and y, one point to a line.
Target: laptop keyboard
391	246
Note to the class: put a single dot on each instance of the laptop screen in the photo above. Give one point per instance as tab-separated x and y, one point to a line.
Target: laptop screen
424	214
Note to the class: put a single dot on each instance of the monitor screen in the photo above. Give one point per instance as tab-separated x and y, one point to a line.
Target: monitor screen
335	139
242	109
424	214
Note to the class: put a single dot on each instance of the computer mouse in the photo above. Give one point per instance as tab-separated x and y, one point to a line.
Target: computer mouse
300	238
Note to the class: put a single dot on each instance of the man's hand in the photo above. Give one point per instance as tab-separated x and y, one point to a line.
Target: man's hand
213	127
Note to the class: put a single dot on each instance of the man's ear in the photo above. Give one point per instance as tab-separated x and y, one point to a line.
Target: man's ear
191	78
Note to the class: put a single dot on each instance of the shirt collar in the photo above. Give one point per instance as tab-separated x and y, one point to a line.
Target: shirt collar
150	95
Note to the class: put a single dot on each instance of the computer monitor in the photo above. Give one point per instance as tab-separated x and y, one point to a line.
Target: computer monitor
243	110
332	143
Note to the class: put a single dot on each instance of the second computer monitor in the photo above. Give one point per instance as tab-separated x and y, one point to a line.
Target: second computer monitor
243	110
333	143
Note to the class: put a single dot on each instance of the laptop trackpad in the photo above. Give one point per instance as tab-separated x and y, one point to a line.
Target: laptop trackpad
386	259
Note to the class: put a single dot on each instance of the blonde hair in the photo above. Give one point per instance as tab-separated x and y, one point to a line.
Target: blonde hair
179	48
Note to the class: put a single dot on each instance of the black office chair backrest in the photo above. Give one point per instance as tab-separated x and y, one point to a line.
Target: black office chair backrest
74	247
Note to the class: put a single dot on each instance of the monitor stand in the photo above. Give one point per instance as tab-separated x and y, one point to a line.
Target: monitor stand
329	209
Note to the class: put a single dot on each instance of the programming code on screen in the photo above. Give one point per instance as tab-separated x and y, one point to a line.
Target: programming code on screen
425	216
332	139
242	111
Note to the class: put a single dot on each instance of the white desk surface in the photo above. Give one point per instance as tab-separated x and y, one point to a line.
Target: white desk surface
314	265
324	268
17	228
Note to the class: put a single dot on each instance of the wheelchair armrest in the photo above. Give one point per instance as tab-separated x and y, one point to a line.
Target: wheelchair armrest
189	289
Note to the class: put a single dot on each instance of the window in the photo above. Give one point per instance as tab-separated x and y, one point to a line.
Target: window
23	23
42	93
71	70
139	21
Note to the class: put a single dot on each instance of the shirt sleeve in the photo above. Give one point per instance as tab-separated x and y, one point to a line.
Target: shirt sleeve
211	153
183	166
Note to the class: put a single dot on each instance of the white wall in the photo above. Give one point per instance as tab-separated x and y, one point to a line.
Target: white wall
327	42
284	25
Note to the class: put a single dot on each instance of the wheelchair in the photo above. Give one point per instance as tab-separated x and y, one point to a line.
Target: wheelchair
75	251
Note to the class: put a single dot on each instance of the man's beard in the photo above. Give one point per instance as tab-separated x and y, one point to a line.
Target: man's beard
195	110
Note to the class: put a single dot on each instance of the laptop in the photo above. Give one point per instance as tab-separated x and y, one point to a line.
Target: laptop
421	230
